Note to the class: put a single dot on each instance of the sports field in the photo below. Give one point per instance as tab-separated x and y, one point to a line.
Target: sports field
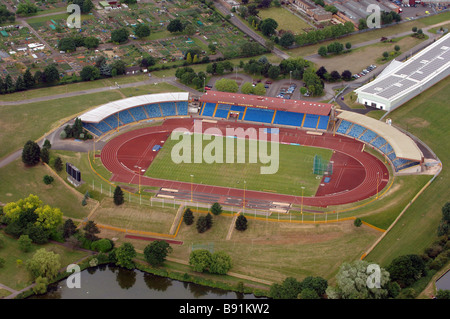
294	167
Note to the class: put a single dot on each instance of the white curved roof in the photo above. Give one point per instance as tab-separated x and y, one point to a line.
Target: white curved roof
403	145
105	110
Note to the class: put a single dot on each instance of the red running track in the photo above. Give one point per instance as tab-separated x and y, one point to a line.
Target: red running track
355	177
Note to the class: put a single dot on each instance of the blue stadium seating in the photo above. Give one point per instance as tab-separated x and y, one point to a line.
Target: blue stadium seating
310	121
368	136
343	127
92	128
103	127
168	109
378	142
391	156
182	108
208	109
356	130
153	110
323	122
222	111
386	149
111	120
401	163
125	117
259	115
237	108
138	113
288	118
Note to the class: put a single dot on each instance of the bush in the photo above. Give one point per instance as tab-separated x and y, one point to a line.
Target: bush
188	217
220	263
48	179
357	222
102	245
24	243
216	209
241	223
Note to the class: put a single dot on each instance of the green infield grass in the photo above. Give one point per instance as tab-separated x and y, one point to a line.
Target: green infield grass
295	164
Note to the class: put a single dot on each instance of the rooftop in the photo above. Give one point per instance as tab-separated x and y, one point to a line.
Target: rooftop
265	102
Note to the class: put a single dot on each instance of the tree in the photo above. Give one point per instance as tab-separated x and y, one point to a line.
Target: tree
220	263
48	179
274	72
287	39
31	153
44	263
119	36
308	294
67	44
90	231
90	73
335	76
69	228
125	254
445	220
385	54
50	74
204	223
259	89
175	26
188	217
28	79
26	8
317	284
348	45
247	88
200	260
414	29
45	155
40	286
352	280
20	84
227	85
118	196
241	223
47	144
346	75
443	294
357	222
102	245
9	85
24	242
268	26
147	61
397	48
406	270
216	209
58	164
142	30
290	288
156	252
321	72
322	51
91	42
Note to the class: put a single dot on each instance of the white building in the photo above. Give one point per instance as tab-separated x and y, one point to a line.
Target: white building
400	82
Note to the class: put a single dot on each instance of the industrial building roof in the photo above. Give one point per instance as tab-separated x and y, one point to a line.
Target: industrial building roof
411	74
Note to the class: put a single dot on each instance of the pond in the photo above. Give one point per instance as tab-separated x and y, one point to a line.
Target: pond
443	282
112	282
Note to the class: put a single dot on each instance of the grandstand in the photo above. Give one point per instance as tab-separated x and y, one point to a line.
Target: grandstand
267	110
112	115
396	146
400	82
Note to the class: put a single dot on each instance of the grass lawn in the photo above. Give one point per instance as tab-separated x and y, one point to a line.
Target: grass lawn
295	168
18	182
427	117
17	277
21	123
286	20
359	58
373	34
135	216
